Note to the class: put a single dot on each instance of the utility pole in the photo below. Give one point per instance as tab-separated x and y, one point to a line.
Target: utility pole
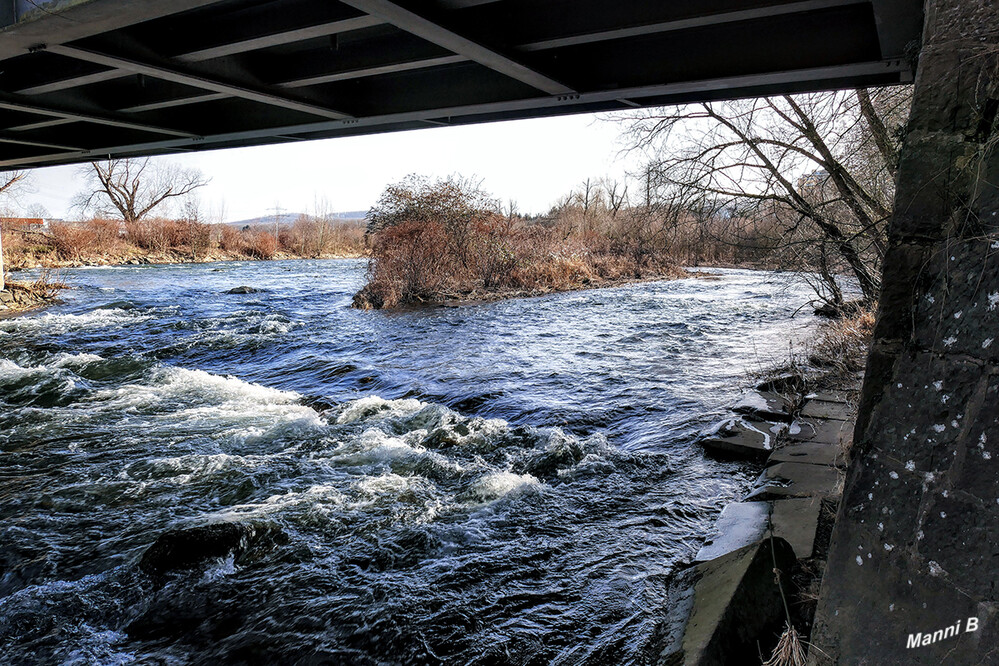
278	212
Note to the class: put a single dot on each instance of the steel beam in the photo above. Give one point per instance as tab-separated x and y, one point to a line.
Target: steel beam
65	115
336	27
87	19
195	80
535	106
218	51
687	23
420	26
373	71
279	38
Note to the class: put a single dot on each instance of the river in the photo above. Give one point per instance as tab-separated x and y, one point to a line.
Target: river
507	483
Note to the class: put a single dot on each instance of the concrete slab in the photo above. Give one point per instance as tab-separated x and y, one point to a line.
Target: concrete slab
833	396
740	524
796	521
742	438
736	602
825	431
827	409
789	382
791	479
764	406
812	453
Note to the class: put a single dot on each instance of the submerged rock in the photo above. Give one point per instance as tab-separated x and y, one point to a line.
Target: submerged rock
244	290
191	547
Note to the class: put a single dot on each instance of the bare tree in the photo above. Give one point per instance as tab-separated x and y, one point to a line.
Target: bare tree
8	184
132	188
820	165
617	195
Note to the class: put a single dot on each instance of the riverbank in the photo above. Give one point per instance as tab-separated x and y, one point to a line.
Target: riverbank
480	297
758	576
18	297
170	257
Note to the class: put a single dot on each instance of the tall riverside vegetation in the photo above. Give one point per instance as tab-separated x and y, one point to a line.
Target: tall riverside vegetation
433	241
802	183
814	175
188	238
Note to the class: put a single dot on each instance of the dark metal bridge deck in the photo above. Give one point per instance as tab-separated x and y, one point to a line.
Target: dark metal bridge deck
85	79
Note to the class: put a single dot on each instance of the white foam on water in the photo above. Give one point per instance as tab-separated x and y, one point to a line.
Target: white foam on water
494	486
375	408
11	372
55	324
374	446
318	497
180	384
64	360
181	470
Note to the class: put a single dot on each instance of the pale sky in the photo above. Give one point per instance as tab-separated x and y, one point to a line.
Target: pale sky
534	162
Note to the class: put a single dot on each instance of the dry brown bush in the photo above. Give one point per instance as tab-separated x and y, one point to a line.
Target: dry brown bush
439	241
107	238
260	245
229	239
72	241
842	344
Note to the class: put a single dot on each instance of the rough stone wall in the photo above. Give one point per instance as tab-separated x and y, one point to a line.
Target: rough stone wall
916	544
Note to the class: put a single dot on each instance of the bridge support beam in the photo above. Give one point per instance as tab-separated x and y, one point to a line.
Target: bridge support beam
916	544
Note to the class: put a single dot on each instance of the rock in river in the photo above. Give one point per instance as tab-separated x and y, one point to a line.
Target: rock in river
190	547
244	290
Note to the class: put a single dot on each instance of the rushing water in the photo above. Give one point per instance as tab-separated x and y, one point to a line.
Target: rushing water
510	483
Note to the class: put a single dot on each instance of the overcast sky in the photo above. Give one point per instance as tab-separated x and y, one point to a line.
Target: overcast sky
533	162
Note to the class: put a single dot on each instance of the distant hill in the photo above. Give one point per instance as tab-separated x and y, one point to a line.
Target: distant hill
289	218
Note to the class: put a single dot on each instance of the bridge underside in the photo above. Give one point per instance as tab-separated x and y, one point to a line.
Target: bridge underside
85	79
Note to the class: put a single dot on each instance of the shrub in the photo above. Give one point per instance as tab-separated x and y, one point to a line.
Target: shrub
437	241
72	241
230	240
842	344
260	245
106	236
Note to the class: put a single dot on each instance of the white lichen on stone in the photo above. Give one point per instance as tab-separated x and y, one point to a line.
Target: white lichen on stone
957	315
910	465
986	342
893	474
936	569
939	427
938	385
993	300
889	547
949	341
943	514
860	561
